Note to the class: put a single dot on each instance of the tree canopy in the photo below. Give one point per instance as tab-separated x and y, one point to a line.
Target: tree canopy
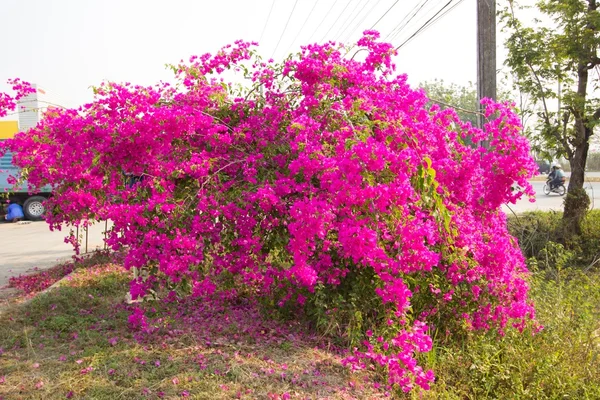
463	99
555	61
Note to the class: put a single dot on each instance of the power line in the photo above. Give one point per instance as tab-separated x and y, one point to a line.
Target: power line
384	14
343	26
355	27
336	20
285	27
443	14
429	21
266	22
323	20
406	20
303	25
421	19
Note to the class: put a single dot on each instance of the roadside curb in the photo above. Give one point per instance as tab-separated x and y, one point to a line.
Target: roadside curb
544	178
9	295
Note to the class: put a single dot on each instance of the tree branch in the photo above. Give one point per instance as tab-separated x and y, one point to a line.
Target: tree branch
593	62
562	138
533	72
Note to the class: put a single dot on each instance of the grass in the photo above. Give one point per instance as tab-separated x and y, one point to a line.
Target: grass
75	342
562	361
534	230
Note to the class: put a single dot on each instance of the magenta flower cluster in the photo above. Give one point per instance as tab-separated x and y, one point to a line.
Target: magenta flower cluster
9	103
326	164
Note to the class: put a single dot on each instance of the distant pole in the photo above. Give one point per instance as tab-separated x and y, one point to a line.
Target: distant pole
486	52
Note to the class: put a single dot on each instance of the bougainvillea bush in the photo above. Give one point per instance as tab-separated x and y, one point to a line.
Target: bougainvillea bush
326	181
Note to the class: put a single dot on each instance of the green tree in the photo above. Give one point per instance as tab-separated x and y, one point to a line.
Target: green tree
462	98
555	62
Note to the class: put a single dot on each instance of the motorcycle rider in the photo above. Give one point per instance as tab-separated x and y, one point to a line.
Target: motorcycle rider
556	177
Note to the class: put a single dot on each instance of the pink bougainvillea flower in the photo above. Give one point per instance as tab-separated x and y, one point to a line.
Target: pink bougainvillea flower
327	168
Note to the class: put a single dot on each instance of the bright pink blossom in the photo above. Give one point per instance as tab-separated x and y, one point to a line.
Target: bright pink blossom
326	166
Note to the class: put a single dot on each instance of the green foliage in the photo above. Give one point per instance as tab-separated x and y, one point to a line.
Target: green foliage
549	62
535	230
553	62
462	98
560	361
345	312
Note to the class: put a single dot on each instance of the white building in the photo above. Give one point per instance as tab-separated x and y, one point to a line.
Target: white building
32	107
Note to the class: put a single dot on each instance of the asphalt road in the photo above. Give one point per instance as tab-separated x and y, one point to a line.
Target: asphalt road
24	247
553	201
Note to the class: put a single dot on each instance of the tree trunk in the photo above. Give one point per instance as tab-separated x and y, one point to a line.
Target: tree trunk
577	201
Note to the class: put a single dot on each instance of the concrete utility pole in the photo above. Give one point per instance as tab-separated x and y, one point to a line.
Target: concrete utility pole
486	51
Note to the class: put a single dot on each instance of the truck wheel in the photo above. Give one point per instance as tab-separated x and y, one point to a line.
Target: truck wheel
34	208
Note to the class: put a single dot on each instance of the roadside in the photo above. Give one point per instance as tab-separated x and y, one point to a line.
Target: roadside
591	176
31	247
83	340
543	178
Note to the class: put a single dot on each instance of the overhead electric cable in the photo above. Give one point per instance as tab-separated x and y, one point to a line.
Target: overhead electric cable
384	14
357	26
336	20
303	25
406	20
266	22
446	12
343	26
323	20
438	18
427	24
285	28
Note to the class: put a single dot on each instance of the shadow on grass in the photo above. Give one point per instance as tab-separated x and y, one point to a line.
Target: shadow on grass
75	342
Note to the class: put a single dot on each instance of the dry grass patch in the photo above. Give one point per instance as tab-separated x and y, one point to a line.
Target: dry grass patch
75	342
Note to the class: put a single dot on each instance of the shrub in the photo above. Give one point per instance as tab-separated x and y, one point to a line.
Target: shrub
535	230
560	361
328	184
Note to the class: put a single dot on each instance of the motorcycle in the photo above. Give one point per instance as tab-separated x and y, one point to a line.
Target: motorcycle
560	189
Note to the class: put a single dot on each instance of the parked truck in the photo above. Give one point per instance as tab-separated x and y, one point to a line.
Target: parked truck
33	203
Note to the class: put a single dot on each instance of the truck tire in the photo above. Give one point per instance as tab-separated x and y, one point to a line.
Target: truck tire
34	208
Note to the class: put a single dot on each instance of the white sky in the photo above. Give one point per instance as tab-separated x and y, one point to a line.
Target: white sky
66	46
